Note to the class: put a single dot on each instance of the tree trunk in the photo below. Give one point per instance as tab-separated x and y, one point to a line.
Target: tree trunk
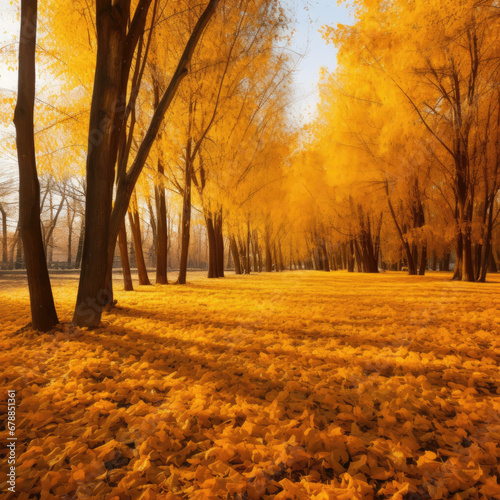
70	237
122	243
152	223
281	260
326	265
259	252
5	253
135	226
219	244
78	258
468	269
161	235
93	290
212	247
359	260
423	261
229	262
115	51
242	251
446	261
236	256
43	312
487	254
248	269
19	264
254	254
269	257
351	257
457	273
186	217
434	260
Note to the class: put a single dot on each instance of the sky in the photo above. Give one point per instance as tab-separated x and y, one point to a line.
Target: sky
310	16
9	28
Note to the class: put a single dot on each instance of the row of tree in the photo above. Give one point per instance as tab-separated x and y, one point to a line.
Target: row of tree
160	118
185	98
408	135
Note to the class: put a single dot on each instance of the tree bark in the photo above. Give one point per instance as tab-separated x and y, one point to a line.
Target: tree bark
97	256
269	257
212	249
122	243
135	226
248	268
186	216
423	261
457	273
236	256
5	253
219	244
43	312
79	250
162	234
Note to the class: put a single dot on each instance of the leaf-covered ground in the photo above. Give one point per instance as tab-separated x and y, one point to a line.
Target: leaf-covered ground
292	386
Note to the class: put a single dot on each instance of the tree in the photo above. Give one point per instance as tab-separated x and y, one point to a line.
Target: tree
43	312
118	36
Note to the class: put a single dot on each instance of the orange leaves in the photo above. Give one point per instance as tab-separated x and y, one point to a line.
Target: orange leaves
191	417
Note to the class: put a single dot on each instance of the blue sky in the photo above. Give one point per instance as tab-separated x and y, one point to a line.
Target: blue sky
310	16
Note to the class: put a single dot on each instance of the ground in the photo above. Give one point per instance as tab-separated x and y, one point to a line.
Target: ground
300	385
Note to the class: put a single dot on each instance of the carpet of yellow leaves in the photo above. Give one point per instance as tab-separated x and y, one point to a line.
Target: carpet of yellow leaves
276	386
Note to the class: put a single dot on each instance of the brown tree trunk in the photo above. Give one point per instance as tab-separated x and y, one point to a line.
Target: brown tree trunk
248	268
78	258
236	256
162	235
423	261
282	261
277	266
487	254
93	291
254	254
135	226
457	273
446	261
70	238
212	248
269	257
434	260
242	251
122	243
351	258
259	250
43	312
19	264
5	253
326	265
468	268
152	223
186	217
219	244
